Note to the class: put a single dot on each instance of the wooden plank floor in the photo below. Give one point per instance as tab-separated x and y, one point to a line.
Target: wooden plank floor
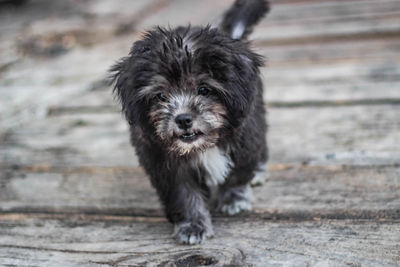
73	194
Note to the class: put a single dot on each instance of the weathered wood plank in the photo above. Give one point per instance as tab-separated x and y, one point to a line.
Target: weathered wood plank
290	21
51	51
297	80
329	53
332	71
349	135
366	79
126	241
70	82
292	35
326	19
99	190
292	192
43	83
61	141
181	12
337	71
296	12
359	135
66	81
333	193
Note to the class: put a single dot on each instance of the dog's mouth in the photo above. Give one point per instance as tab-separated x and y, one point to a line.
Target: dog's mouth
189	137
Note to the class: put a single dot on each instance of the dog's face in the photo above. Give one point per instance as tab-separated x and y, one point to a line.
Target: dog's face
187	88
187	115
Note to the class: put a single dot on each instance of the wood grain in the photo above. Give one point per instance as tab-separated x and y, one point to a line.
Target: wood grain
71	190
87	241
358	135
292	192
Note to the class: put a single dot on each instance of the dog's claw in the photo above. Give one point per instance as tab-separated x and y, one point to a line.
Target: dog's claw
191	233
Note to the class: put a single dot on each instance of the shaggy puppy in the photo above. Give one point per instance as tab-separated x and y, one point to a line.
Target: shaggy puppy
194	100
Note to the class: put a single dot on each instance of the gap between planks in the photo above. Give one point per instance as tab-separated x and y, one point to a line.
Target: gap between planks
294	2
20	214
150	215
46	168
384	15
362	36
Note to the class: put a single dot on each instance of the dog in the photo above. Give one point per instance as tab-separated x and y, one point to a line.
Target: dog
193	98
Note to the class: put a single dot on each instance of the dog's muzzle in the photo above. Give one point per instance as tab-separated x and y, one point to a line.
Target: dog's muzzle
185	123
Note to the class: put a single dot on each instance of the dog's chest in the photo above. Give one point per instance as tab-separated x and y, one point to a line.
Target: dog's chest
217	165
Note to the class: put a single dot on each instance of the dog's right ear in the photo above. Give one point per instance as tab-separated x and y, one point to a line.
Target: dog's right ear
121	76
129	75
119	79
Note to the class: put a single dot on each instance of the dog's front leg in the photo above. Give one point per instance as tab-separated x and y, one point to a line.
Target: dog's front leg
185	207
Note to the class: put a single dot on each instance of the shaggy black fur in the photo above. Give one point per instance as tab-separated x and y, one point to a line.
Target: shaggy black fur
213	81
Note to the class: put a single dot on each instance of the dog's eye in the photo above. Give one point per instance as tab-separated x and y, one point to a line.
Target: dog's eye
162	97
204	91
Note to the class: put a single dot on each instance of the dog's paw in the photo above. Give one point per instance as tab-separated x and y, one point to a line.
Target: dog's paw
192	233
235	200
260	176
236	206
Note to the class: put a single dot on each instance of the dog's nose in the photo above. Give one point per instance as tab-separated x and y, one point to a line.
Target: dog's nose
184	121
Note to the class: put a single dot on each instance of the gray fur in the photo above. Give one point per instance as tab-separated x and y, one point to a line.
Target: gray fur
213	82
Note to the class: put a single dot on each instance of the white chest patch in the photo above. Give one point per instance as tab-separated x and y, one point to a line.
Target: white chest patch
217	165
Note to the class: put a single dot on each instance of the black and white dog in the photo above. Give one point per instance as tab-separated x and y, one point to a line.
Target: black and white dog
194	100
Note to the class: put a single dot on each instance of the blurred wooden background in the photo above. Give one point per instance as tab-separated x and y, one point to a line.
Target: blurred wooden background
71	190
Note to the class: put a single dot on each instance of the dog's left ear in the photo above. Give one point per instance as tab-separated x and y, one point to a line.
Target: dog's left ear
238	72
245	84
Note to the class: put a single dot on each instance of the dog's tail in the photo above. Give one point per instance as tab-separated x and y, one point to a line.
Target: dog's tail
239	20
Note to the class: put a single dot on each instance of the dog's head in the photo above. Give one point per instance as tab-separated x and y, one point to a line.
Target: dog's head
187	88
